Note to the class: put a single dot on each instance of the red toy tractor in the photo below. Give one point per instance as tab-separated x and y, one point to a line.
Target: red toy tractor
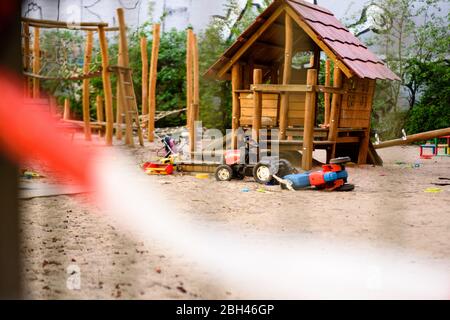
236	167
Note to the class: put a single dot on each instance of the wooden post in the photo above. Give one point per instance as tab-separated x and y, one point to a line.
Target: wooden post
196	79
257	105
26	57
119	106
66	114
191	126
284	103
86	100
144	60
100	115
153	76
310	110
189	75
236	83
327	95
99	106
335	109
106	77
189	90
36	63
124	63
317	68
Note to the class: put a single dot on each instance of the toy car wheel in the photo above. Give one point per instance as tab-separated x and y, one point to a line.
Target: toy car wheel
285	168
262	173
223	173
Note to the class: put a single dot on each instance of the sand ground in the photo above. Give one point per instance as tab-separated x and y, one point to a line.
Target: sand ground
388	208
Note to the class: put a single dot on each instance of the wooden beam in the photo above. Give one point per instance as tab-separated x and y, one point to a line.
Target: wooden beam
36	63
414	137
287	70
196	78
327	103
189	76
326	89
311	61
319	42
119	106
123	99
95	74
86	100
276	88
236	84
106	77
257	105
99	111
67	25
335	108
75	27
125	62
153	76
144	62
317	67
66	114
310	110
248	43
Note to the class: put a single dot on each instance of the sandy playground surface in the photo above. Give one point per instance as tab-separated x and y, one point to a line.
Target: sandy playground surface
389	208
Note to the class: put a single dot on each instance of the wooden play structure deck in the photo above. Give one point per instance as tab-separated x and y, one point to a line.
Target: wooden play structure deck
271	89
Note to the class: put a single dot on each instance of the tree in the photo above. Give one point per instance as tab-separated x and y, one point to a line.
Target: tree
432	111
407	34
213	41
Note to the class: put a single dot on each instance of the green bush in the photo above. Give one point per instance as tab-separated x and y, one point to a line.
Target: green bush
433	109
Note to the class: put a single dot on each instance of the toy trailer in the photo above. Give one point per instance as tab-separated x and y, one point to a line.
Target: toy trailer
273	88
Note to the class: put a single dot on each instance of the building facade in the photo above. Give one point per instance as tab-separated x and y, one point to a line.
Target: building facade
179	14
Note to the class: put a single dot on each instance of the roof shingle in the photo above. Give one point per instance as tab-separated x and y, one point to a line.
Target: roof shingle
342	42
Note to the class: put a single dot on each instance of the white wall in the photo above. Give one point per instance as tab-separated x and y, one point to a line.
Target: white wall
181	13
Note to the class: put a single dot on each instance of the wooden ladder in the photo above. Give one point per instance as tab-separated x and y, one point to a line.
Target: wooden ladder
128	101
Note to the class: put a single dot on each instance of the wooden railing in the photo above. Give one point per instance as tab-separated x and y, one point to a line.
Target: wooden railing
293	88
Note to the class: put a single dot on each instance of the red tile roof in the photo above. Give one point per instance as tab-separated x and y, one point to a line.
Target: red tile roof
347	48
342	42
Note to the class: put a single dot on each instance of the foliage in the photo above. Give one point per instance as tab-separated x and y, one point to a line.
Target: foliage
213	41
171	82
432	111
411	36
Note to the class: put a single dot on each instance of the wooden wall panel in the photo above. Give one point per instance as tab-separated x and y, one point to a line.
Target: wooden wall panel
357	104
269	109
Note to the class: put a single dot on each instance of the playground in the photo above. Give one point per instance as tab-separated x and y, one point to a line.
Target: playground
388	209
127	191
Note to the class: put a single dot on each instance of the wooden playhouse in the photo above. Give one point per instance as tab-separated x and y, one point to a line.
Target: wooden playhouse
271	90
